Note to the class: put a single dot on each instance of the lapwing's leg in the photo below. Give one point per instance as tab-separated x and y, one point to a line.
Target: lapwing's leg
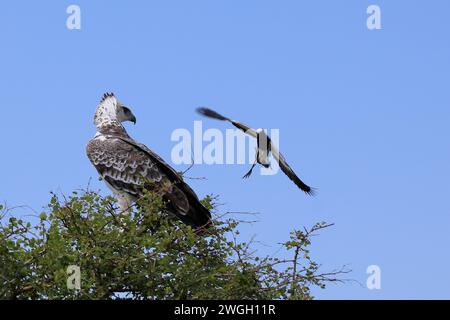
249	173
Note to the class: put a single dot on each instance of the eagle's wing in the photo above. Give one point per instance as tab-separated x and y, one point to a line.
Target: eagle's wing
213	114
128	166
121	165
289	172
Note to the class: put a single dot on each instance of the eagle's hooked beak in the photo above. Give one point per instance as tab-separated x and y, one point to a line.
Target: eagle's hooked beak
133	119
127	115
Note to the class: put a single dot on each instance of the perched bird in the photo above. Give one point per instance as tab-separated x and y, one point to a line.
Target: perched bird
127	167
264	148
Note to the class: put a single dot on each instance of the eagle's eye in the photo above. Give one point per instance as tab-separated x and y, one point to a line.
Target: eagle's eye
126	110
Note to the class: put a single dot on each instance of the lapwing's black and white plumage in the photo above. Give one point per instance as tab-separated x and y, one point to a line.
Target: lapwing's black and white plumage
127	167
264	148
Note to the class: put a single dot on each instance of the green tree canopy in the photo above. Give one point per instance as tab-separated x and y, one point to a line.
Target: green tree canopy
144	255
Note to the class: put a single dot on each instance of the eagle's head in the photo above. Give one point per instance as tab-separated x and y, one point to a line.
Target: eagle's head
111	110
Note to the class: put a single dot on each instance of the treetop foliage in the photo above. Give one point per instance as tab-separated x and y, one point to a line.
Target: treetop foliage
144	255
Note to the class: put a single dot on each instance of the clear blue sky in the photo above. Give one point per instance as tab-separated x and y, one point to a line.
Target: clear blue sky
363	115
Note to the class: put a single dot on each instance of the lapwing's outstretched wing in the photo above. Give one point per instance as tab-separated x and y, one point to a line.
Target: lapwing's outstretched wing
277	155
212	114
284	166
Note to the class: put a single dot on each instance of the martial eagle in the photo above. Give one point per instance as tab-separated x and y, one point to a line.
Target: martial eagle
127	167
264	148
